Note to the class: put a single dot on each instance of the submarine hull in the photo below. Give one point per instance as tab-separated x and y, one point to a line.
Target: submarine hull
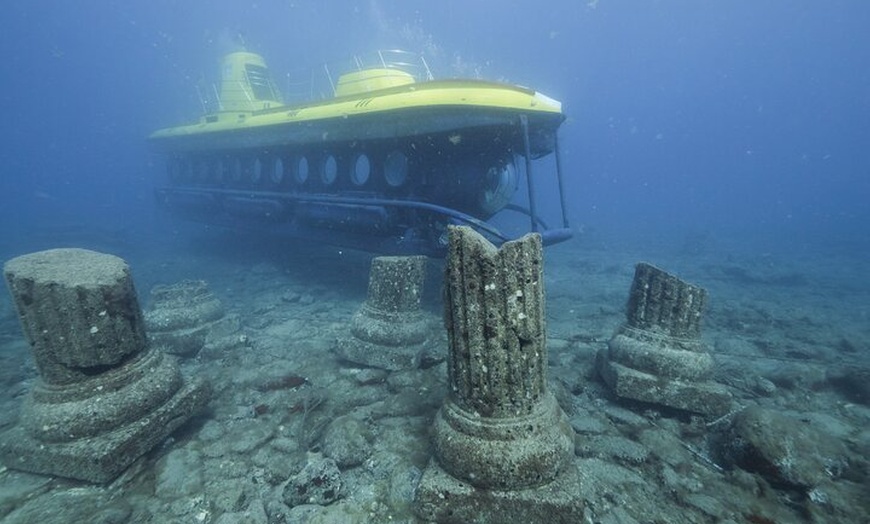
385	169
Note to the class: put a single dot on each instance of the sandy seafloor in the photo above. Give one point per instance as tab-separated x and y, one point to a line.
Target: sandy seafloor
789	330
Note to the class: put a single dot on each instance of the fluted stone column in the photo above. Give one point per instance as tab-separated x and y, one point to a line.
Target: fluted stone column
390	330
103	397
186	316
503	446
657	356
78	311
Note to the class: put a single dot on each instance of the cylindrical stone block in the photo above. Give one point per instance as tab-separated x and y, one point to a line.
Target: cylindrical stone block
494	315
396	283
662	303
187	304
182	316
391	314
78	310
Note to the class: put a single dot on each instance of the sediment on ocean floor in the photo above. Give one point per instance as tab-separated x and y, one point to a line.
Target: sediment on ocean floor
774	347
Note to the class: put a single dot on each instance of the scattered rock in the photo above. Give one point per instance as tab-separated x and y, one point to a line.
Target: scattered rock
852	382
618	448
319	483
403	484
246	439
785	449
585	423
347	441
255	514
622	416
18	487
679	482
179	474
86	504
762	386
666	446
370	376
277	465
229	495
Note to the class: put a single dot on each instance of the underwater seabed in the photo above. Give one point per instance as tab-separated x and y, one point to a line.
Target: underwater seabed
789	335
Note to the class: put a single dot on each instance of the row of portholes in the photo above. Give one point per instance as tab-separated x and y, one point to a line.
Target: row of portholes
277	169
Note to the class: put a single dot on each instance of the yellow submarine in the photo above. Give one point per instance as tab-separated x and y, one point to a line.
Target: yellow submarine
377	155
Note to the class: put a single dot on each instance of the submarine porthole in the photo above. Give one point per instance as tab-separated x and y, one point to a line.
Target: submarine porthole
236	170
396	168
499	186
277	174
186	170
202	170
360	169
220	169
257	171
175	168
329	169
301	171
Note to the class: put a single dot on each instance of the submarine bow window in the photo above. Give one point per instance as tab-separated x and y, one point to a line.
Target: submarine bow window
500	185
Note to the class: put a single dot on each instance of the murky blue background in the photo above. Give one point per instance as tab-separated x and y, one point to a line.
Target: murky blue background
742	119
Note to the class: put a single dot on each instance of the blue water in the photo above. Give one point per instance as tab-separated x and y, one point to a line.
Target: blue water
730	118
726	141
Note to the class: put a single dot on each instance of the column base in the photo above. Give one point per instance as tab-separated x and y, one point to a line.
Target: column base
504	453
707	398
444	499
103	457
391	358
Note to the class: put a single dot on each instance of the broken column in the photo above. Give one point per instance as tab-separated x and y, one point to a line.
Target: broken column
657	356
185	317
390	330
503	446
103	397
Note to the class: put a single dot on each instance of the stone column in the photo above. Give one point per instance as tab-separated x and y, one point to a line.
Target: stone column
103	397
390	330
503	446
185	317
657	356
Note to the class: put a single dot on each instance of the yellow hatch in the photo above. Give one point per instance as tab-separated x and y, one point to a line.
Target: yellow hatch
367	80
246	84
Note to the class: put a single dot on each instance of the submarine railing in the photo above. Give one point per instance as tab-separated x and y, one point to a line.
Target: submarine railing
532	211
524	124
412	63
558	154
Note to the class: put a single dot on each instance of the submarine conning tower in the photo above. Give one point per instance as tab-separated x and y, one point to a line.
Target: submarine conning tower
246	84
